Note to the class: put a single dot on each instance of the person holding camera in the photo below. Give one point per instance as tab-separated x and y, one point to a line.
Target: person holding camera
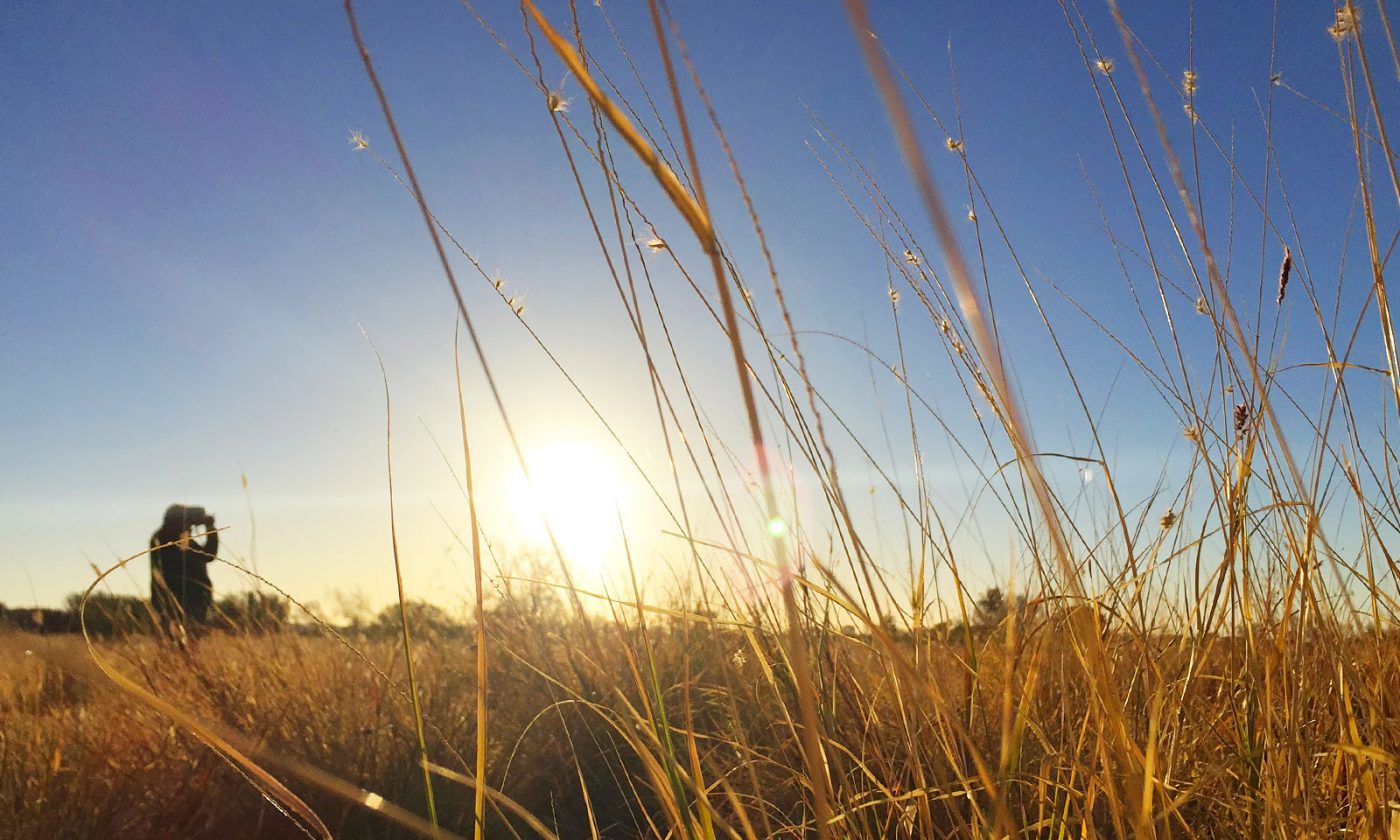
181	591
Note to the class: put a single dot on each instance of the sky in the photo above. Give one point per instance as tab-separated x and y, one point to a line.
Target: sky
196	261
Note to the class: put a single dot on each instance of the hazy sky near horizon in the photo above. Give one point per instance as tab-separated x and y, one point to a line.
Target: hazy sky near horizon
191	250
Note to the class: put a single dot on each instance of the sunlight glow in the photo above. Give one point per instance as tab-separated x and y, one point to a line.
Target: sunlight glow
578	491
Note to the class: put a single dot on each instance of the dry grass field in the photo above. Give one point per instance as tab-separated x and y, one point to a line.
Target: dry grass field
1243	746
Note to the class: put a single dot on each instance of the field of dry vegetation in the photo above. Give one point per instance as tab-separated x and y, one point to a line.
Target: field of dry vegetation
613	740
1204	662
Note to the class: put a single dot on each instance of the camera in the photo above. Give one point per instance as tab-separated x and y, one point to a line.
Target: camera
194	515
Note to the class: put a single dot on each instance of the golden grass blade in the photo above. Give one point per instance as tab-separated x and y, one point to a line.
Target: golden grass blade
497	797
698	219
271	789
693	209
403	598
1086	638
479	805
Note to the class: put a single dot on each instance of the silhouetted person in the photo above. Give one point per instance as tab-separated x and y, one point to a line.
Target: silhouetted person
180	589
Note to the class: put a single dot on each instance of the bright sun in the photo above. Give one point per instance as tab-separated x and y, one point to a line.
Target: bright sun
577	490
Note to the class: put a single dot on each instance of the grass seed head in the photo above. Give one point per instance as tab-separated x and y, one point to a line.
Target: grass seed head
910	257
1201	305
1347	21
1188	82
1192	433
954	145
1168	519
1283	273
1241	417
358	141
1104	65
555	99
986	394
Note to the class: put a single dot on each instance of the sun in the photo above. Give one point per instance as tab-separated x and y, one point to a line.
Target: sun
576	490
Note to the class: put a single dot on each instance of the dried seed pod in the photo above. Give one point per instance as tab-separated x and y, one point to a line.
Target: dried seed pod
1283	273
1241	417
554	98
1346	23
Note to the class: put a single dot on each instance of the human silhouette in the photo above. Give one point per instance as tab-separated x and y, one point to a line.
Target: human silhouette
181	592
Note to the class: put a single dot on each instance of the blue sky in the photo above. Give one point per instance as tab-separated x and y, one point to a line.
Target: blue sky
191	248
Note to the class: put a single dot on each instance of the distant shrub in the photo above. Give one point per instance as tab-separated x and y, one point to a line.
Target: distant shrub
108	614
251	612
423	618
37	619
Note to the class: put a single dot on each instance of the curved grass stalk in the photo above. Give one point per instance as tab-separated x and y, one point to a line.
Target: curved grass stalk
403	600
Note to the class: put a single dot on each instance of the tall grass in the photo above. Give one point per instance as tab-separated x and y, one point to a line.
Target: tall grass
1202	660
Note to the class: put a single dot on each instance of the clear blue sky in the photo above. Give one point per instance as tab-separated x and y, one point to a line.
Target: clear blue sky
190	247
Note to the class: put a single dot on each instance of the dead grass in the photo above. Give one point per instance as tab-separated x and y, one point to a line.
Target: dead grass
1240	749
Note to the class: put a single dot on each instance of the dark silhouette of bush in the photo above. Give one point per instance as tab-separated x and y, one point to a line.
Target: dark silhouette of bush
108	614
423	619
38	619
993	608
250	612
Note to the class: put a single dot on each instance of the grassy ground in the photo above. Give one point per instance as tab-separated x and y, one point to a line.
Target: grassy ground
1246	745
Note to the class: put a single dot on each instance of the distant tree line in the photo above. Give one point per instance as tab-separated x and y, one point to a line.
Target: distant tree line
989	612
528	607
108	614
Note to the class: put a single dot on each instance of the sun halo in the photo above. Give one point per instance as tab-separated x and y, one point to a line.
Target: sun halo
575	491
